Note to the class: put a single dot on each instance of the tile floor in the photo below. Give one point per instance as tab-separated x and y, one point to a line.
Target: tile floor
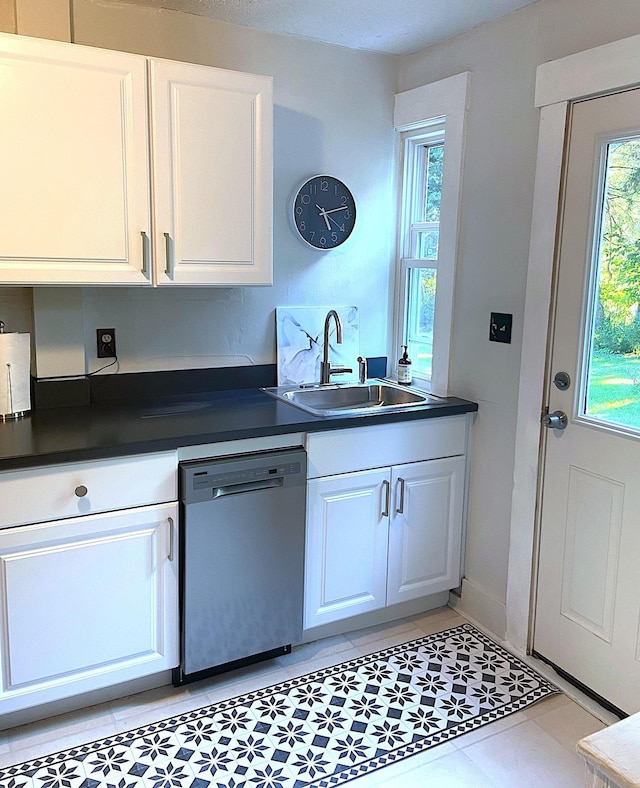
534	747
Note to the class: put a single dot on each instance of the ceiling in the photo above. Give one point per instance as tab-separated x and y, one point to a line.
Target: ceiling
397	27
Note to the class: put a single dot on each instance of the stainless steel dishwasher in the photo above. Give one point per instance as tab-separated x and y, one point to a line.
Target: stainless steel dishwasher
242	557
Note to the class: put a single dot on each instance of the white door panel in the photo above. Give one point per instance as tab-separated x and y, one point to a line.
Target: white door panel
588	597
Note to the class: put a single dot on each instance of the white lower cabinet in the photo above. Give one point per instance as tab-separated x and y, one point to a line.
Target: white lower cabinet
425	528
86	602
382	536
346	549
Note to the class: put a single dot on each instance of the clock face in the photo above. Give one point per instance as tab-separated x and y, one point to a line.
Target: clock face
324	212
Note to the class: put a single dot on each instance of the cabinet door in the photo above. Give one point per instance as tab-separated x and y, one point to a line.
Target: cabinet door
212	166
425	529
346	550
85	603
74	158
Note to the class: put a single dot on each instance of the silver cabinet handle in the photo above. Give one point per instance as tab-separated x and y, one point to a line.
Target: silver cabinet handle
171	537
386	497
81	491
168	254
400	509
555	421
145	253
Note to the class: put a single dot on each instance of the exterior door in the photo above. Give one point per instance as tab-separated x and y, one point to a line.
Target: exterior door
588	595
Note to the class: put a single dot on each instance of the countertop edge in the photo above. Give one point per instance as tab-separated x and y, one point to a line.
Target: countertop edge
300	423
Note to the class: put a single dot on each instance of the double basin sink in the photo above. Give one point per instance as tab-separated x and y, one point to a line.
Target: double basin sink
351	399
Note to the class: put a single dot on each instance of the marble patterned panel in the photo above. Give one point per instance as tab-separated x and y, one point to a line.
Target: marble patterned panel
299	336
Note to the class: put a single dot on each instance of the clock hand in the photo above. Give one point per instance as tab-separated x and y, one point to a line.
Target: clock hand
337	224
333	210
323	213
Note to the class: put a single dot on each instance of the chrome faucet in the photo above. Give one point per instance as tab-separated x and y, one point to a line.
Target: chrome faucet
326	370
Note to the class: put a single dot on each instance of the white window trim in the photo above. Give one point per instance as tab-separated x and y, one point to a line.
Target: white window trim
419	110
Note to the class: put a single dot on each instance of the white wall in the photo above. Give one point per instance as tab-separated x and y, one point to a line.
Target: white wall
495	227
333	114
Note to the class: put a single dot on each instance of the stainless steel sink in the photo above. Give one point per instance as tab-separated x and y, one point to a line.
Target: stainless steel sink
356	399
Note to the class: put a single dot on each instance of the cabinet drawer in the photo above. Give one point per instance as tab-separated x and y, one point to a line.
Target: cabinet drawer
342	451
55	492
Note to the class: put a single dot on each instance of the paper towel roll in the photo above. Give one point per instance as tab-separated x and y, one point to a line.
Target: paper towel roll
15	368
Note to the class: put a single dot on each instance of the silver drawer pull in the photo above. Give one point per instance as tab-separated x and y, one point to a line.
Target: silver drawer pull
81	491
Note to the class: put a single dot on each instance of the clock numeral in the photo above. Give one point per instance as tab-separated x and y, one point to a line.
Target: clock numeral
298	210
312	233
347	214
306	199
343	199
313	189
323	240
303	226
334	237
341	228
324	186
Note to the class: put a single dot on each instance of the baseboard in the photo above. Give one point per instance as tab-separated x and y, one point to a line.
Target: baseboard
84	700
481	607
376	617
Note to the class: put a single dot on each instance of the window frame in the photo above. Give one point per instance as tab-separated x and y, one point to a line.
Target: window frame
420	115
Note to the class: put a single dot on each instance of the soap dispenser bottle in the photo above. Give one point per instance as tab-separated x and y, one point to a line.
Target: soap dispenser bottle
404	368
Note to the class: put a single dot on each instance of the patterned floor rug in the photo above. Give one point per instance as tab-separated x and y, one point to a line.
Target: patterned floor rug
323	729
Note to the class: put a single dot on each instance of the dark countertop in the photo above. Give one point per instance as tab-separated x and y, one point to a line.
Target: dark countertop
117	428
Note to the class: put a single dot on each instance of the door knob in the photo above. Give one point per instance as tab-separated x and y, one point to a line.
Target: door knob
557	420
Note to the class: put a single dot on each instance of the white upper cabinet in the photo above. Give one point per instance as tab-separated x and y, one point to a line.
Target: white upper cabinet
212	164
74	162
76	152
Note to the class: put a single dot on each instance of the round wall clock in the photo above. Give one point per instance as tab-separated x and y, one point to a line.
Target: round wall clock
323	212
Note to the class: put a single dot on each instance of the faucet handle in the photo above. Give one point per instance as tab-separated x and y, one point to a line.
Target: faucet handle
362	369
340	370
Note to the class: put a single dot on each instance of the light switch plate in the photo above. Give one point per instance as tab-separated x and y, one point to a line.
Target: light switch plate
500	327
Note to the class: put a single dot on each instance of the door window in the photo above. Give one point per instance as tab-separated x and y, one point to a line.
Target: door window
611	390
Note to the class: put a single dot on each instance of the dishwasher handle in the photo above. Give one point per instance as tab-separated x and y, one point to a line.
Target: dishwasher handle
247	487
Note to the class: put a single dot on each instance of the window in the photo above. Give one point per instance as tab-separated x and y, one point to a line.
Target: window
610	386
432	150
422	193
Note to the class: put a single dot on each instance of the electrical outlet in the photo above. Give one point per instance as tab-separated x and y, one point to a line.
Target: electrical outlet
106	342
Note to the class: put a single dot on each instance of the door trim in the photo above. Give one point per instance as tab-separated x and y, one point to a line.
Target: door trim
594	72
